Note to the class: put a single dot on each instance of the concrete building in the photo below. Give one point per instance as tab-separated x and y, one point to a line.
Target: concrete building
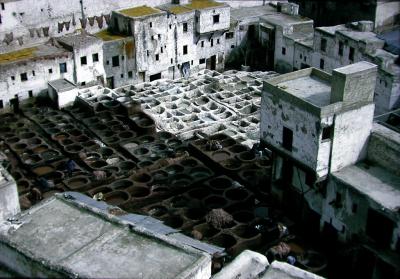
296	45
25	73
329	161
384	14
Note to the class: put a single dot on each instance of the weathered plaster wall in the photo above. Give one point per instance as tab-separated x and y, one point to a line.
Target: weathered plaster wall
387	12
350	136
19	17
36	82
205	17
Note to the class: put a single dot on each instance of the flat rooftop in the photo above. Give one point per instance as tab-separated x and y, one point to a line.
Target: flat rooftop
62	85
107	36
204	4
374	182
176	9
140	11
284	19
310	88
40	51
93	243
243	13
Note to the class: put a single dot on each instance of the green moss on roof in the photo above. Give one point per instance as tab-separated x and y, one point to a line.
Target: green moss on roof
140	11
203	4
179	9
105	35
22	54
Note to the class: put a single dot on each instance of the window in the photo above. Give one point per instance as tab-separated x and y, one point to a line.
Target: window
122	75
354	208
172	61
155	76
157	57
12	77
283	51
218	41
191	62
202	43
147	53
185	49
24	77
130	74
301	56
321	63
33	73
185	27
202	61
170	26
323	44
95	57
83	83
215	19
159	36
212	42
309	179
30	93
287	138
0	19
162	50
152	37
232	46
50	70
108	62
1	104
341	45
327	133
151	24
115	61
351	54
2	6
63	68
83	60
229	35
122	57
196	19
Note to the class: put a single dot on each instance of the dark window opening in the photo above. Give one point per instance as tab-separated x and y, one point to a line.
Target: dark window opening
159	36
157	57
50	71
151	24
341	46
287	139
229	35
191	62
1	104
147	53
30	93
83	60
170	26
172	61
215	19
327	133
309	179
24	77
122	75
351	54
185	27
2	6
218	41
155	77
108	62
63	68
322	63
162	50
379	228
130	74
212	42
95	57
232	46
202	43
283	51
323	44
115	61
33	73
185	50
202	61
12	77
354	208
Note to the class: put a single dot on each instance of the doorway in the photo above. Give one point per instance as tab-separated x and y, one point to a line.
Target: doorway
110	82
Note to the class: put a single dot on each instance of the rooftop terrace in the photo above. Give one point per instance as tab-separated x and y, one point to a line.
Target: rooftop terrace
140	11
203	4
107	36
41	51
